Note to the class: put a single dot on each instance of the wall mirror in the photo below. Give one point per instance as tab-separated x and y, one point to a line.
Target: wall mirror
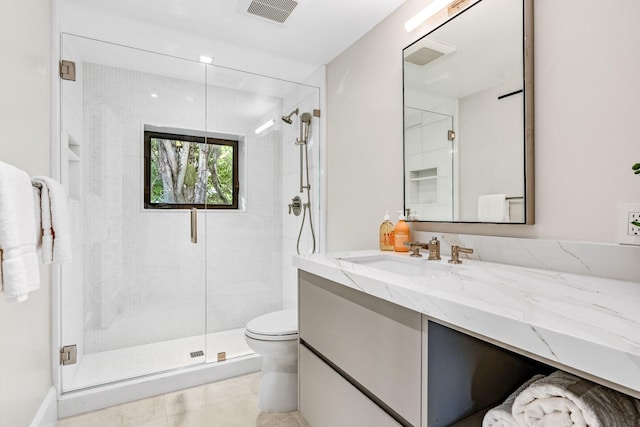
468	117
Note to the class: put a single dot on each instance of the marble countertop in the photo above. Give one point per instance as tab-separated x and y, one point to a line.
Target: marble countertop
588	324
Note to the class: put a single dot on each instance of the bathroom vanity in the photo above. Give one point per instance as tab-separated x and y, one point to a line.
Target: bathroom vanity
388	340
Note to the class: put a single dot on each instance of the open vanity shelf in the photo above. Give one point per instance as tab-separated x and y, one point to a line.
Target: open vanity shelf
467	376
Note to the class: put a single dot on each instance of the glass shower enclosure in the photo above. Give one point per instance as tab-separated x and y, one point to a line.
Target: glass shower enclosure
177	210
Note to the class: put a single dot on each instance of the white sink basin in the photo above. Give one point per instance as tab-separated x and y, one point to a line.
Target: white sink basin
403	265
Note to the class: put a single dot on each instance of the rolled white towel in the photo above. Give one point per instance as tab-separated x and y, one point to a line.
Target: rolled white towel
562	399
501	415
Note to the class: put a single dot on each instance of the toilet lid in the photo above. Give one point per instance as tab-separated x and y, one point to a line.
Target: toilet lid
282	324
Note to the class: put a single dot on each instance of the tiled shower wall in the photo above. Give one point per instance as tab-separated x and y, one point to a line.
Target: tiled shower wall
145	279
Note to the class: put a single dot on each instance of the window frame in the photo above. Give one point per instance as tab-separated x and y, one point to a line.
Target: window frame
153	134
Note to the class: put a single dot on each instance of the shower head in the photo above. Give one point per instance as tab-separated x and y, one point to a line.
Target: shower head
305	126
287	118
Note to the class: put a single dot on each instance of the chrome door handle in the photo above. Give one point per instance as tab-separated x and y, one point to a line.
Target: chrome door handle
194	225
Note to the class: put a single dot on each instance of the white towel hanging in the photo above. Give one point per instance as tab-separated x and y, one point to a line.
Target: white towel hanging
54	220
492	208
20	266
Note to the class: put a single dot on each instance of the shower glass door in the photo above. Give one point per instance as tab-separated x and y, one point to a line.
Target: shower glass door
133	298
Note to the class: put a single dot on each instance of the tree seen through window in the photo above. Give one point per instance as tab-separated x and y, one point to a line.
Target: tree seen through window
183	171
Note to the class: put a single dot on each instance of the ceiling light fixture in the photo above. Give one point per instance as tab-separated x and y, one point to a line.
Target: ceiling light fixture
206	59
264	127
426	13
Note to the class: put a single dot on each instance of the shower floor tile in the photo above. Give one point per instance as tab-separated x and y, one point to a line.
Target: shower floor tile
227	403
121	364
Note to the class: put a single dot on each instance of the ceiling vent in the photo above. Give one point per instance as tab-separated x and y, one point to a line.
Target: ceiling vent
427	51
274	10
423	56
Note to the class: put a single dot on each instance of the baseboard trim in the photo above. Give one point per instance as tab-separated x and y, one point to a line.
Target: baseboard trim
47	414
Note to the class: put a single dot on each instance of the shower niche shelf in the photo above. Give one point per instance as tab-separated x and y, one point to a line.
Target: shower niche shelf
424	186
74	168
73	150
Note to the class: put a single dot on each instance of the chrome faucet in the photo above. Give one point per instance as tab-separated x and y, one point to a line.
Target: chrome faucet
433	247
455	254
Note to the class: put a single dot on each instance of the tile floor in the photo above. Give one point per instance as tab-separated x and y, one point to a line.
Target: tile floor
229	403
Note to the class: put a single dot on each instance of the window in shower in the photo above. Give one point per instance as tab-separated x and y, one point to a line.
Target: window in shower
189	171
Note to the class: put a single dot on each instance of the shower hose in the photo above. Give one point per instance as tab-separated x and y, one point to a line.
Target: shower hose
306	206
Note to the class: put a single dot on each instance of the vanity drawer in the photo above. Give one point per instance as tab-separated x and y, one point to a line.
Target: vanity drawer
377	344
328	400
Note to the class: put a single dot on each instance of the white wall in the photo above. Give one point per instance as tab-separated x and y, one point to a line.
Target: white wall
587	98
25	371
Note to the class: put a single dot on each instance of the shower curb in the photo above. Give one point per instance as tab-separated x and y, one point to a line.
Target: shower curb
93	399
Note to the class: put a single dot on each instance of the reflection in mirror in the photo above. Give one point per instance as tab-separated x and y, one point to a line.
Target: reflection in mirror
468	148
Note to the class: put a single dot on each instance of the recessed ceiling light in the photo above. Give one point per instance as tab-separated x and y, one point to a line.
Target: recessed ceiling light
154	95
206	59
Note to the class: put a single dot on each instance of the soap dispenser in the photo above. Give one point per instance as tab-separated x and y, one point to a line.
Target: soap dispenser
386	234
401	235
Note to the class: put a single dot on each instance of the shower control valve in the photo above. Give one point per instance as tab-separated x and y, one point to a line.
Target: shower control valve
295	206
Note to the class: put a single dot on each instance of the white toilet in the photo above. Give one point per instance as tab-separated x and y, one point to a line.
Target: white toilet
275	337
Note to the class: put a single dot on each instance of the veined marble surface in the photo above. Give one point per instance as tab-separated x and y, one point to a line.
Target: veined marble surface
608	260
586	323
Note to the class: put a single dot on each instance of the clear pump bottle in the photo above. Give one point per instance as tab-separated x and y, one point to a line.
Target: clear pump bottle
386	234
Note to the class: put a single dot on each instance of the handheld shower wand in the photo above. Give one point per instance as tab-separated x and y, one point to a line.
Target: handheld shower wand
305	124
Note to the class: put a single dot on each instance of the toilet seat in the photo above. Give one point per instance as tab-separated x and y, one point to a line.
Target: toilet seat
277	326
